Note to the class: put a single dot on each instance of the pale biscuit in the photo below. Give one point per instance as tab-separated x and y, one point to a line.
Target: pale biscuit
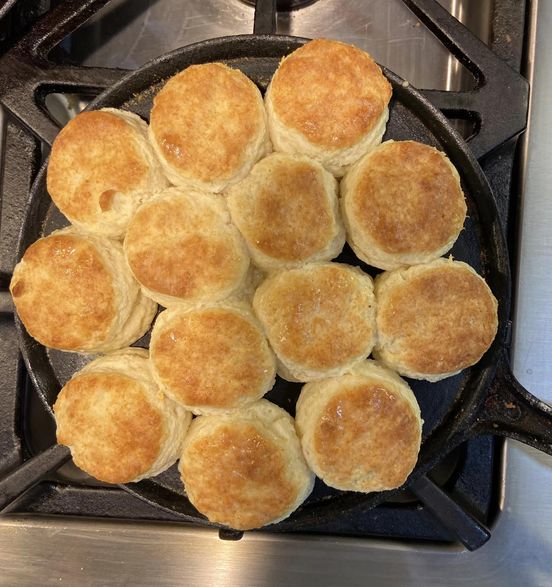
328	100
212	358
119	426
101	168
433	320
360	431
319	319
73	291
245	469
182	248
208	127
402	205
287	211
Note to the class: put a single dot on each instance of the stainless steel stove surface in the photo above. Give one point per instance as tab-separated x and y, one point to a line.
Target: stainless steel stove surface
60	550
121	36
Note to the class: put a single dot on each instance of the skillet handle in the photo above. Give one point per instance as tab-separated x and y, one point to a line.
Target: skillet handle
31	472
510	410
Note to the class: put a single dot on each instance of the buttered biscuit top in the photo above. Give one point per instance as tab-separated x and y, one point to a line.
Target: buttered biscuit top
208	126
319	319
182	248
434	319
119	426
212	358
287	211
360	431
245	469
101	168
402	205
328	100
74	292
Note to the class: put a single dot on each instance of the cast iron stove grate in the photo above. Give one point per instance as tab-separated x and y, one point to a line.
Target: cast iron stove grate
28	74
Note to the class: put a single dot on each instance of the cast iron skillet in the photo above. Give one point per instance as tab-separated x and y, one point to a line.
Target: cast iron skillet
483	399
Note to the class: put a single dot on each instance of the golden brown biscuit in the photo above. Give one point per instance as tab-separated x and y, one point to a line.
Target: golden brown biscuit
208	126
245	469
433	320
360	431
287	211
328	100
74	292
319	319
119	426
212	358
182	248
402	205
101	168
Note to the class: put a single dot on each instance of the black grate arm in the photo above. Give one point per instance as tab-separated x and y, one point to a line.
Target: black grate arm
500	100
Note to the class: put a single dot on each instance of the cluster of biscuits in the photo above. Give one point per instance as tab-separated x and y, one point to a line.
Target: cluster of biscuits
226	211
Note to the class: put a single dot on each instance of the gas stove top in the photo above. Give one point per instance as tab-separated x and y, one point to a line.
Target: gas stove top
124	35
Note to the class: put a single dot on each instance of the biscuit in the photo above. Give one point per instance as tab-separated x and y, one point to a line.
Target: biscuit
319	319
212	358
402	205
328	100
101	168
74	292
360	431
119	426
288	213
182	248
433	320
208	127
245	469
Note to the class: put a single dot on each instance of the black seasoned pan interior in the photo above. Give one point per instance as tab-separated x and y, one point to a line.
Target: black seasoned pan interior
446	406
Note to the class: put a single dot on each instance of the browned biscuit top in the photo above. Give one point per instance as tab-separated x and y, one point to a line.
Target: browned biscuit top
183	251
367	432
407	198
238	476
440	319
94	157
319	316
204	118
330	92
282	208
114	433
211	357
64	293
